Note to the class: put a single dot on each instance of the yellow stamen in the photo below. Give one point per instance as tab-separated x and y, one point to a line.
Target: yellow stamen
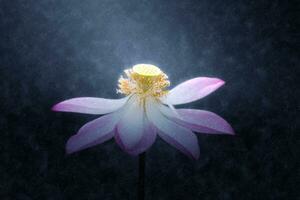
144	80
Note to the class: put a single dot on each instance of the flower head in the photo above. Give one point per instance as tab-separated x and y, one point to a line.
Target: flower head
147	111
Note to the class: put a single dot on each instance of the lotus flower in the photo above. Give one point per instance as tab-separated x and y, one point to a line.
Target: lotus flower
147	111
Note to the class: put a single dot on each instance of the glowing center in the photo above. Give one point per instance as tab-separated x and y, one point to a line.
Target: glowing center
144	80
146	70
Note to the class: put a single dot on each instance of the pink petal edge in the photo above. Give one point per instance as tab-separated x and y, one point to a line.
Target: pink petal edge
92	133
192	90
90	105
204	121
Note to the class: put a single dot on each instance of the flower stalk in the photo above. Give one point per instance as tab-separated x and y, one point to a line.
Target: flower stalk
141	179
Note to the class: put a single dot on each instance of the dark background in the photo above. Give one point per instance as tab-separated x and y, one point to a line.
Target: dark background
52	50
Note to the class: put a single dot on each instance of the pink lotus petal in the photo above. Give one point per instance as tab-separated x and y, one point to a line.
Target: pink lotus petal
90	105
198	120
192	90
92	133
174	134
204	121
132	129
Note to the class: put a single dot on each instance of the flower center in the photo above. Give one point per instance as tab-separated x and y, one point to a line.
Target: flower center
146	70
144	80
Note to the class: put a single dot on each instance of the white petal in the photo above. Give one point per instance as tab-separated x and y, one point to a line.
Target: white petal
146	141
132	126
174	134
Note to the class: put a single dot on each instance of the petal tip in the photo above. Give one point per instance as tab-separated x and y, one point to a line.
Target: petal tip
232	132
68	150
220	82
58	107
54	108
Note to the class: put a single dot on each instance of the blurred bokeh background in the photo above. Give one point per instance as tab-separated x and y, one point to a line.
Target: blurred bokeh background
52	50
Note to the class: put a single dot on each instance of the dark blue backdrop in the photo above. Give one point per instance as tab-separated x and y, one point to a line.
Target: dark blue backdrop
53	50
